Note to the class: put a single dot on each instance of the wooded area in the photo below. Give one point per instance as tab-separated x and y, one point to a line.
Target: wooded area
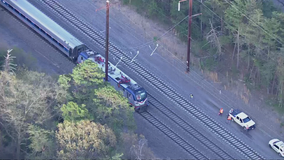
239	37
74	116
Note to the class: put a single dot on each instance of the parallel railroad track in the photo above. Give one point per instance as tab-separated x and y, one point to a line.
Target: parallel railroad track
154	81
173	136
188	128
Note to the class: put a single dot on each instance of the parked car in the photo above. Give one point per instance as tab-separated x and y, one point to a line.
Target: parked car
242	119
277	146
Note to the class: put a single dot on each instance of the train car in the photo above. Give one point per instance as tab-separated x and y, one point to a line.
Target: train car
46	27
136	94
76	50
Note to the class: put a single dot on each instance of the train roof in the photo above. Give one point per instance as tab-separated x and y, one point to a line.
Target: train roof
116	75
46	22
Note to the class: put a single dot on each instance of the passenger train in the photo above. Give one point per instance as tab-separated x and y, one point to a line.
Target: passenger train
76	50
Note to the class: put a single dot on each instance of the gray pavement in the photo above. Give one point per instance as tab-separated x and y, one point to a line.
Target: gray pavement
206	94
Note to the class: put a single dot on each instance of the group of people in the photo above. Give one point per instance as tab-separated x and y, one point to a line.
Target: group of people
229	118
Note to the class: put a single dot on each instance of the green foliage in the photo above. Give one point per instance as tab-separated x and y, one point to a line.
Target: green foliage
268	8
103	102
233	16
269	40
88	74
23	59
256	25
81	83
73	113
112	108
117	156
84	140
153	8
29	98
42	143
208	63
64	81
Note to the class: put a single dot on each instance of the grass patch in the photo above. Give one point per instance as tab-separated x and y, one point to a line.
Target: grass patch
208	63
282	124
274	103
24	60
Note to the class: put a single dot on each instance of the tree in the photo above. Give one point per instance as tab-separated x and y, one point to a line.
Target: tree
28	98
218	7
270	38
234	19
213	38
84	140
103	102
9	66
88	74
81	83
42	143
112	108
279	16
135	147
268	8
73	112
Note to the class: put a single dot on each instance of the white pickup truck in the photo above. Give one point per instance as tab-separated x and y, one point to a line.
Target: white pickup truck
242	119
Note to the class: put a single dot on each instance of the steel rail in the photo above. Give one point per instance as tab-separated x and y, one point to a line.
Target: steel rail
154	81
189	129
189	148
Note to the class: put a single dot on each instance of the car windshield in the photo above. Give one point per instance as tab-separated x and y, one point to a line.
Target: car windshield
246	119
141	95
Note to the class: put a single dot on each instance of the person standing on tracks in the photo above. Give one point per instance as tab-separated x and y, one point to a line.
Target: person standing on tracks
231	110
221	111
229	118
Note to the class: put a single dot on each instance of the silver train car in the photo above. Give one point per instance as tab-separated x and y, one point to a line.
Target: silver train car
46	27
75	49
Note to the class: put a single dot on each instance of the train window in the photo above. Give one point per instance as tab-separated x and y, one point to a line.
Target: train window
129	95
141	95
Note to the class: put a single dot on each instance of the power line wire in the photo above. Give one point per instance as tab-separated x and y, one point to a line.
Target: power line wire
261	27
145	44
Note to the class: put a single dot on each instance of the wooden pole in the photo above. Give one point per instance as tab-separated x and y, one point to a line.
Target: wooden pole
107	39
189	34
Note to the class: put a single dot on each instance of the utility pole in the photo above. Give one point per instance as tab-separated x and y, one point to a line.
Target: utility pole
189	30
107	36
189	34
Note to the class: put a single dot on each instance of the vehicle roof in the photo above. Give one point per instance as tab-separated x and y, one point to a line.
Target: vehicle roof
117	74
46	22
280	144
242	115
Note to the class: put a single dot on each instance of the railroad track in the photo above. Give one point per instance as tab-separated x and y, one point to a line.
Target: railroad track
156	122
189	129
173	136
154	81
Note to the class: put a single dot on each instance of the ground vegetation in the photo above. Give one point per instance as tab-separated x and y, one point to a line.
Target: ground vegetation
78	115
242	39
